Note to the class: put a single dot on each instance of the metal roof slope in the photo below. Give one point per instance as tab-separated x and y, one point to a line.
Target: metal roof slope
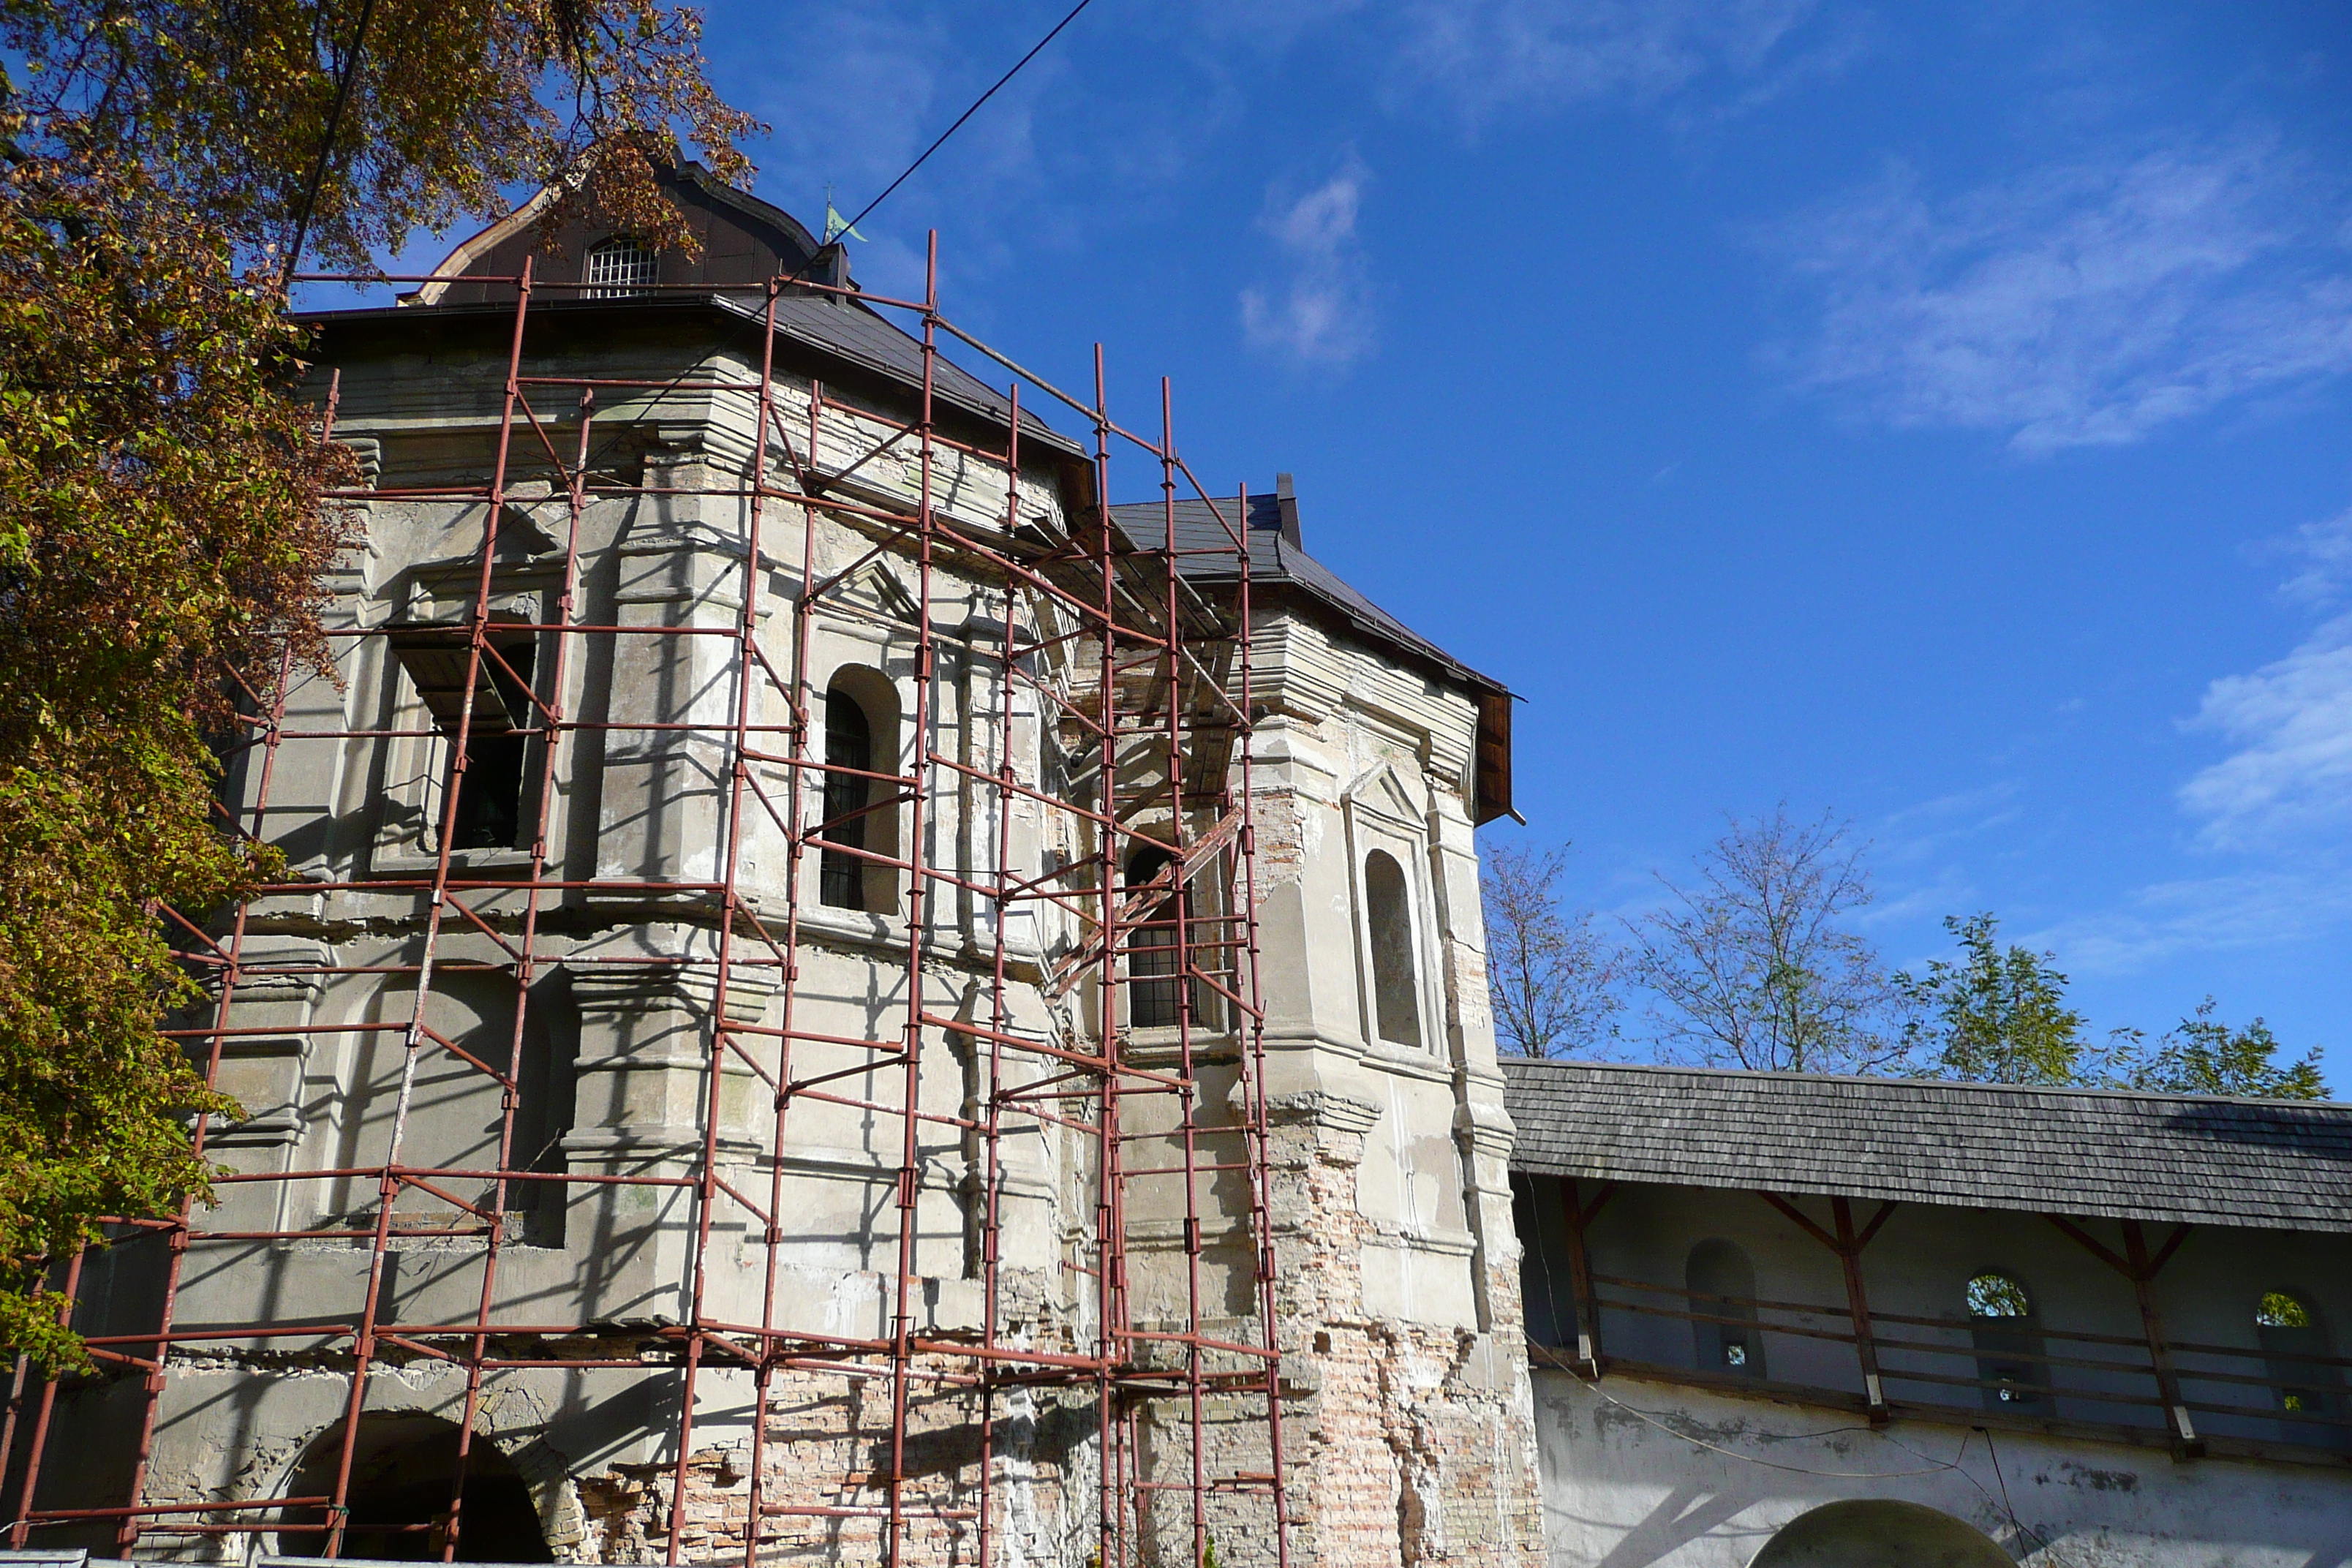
860	333
2267	1164
1274	559
854	334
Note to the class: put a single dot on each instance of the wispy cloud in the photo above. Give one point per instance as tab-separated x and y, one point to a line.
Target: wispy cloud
2288	782
2325	551
1489	58
2291	722
1321	313
2089	302
2203	914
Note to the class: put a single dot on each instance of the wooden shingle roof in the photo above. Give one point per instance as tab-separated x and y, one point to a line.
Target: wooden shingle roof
2120	1154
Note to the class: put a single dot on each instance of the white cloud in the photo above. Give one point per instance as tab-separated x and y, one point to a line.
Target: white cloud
1321	313
2292	723
2289	780
2205	914
1489	56
2326	551
2086	303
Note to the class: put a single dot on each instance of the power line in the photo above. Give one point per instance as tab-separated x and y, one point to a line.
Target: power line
908	173
800	274
327	140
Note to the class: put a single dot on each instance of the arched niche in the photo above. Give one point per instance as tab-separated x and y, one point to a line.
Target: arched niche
1396	984
1880	1532
862	737
1722	1285
403	1478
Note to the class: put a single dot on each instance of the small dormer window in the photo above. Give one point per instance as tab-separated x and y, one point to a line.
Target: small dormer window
619	266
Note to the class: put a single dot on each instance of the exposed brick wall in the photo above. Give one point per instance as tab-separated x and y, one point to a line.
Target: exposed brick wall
1406	1444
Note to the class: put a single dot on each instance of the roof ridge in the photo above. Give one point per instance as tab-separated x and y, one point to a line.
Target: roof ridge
1947	1085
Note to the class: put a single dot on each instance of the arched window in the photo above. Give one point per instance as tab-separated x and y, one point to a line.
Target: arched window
2290	1332
848	745
618	267
1388	908
2008	1344
1722	1285
403	1478
1152	1001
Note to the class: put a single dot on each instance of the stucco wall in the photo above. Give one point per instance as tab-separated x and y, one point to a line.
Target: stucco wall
1638	1473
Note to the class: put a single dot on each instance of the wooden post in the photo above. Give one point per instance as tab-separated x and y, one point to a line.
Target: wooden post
2141	1267
2159	1348
1858	1306
1580	1273
1848	1243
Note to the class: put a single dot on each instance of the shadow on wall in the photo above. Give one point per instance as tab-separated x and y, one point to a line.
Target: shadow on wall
1871	1533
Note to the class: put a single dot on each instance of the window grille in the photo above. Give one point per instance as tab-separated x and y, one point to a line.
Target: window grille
619	267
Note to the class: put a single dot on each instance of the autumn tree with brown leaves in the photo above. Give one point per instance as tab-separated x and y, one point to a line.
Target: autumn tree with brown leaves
165	503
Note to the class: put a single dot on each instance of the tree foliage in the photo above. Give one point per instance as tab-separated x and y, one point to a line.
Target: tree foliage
1997	1017
1752	966
1548	971
437	109
2202	1055
166	505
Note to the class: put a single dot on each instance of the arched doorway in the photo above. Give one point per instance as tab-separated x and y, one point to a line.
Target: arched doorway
1875	1534
404	1474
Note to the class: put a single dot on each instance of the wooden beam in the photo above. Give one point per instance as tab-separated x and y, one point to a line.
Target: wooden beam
1798	1214
2159	1348
2139	1266
1865	1344
2092	1245
1848	1243
1580	1273
2164	1253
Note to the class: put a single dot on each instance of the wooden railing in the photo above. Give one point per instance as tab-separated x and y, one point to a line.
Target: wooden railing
2144	1383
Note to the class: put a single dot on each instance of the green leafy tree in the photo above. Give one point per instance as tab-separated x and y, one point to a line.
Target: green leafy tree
1998	1015
165	504
2202	1055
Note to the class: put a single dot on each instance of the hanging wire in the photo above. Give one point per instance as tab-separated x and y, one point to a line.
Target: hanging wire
343	81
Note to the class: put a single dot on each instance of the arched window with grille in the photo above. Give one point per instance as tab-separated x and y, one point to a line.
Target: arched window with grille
2008	1336
2294	1342
618	267
1721	1282
1388	914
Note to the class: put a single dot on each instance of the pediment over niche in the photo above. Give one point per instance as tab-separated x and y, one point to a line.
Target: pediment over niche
534	521
1385	792
875	585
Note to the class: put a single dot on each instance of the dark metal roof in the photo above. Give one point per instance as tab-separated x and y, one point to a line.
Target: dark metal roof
1278	562
859	333
2271	1165
1274	559
854	334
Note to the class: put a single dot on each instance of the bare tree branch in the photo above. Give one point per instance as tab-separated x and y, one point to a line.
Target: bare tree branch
1751	967
1550	974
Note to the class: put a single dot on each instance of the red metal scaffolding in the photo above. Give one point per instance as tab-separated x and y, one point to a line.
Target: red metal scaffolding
1110	642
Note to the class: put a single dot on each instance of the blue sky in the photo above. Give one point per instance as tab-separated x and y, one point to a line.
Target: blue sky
1933	413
